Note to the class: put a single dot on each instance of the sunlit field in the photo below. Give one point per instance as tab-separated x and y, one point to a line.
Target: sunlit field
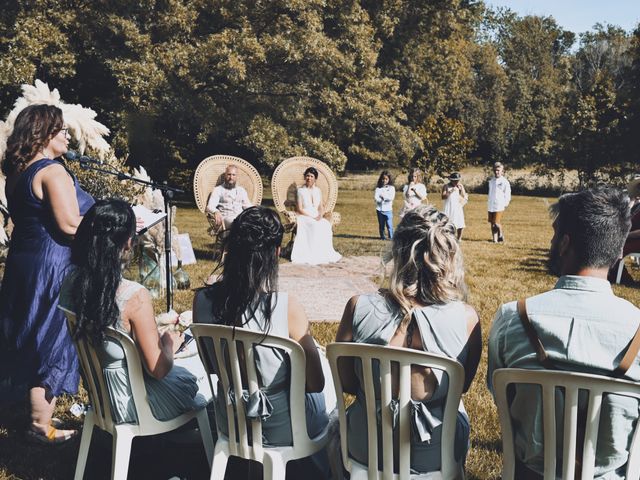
495	273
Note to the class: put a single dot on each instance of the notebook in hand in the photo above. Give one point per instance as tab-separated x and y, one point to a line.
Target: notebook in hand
149	217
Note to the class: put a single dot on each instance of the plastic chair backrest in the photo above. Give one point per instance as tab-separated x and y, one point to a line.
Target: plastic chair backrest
404	358
210	173
288	176
572	384
95	382
224	339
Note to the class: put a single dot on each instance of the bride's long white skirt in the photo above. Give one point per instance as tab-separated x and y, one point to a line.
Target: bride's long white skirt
314	242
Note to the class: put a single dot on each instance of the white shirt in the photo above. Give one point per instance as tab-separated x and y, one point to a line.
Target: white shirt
228	201
384	198
499	194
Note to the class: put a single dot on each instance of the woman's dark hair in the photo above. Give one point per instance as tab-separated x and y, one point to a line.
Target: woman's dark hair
312	171
33	128
96	253
385	173
250	267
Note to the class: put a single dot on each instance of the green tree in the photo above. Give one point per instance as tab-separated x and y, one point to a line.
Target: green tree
535	54
445	145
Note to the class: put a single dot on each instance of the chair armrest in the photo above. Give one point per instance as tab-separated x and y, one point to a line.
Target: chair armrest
334	218
290	220
213	229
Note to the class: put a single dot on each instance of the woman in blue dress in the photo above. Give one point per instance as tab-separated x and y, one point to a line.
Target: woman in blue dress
46	205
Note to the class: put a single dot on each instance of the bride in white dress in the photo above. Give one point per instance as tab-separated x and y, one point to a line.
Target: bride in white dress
314	239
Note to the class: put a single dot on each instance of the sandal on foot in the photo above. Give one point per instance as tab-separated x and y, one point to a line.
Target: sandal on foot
53	436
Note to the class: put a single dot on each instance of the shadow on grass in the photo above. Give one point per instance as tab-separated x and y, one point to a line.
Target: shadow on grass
359	237
535	264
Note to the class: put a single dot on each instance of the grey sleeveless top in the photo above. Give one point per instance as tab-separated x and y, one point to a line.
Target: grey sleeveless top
443	328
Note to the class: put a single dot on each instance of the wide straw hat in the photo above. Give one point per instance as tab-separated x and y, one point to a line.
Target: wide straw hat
454	176
634	187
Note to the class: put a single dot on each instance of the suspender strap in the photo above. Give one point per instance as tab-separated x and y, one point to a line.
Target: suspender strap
629	356
541	353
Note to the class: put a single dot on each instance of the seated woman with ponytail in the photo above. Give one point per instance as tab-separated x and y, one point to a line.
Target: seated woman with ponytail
101	298
423	309
247	296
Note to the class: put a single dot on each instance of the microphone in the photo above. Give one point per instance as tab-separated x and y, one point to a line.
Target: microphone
83	159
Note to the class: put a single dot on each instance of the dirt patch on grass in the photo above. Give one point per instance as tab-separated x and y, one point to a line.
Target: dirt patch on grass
323	290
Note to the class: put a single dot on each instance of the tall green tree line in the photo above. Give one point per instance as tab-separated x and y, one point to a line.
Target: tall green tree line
359	84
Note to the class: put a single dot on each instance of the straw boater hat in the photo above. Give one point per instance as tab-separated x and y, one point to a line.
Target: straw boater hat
634	187
454	176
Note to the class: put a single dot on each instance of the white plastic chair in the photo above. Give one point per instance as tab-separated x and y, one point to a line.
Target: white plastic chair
99	413
634	256
572	383
274	459
404	358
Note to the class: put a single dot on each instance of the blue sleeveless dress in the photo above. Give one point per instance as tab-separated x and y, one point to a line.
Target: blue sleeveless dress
35	347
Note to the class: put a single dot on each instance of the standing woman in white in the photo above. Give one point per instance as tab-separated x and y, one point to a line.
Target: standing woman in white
455	197
314	238
413	192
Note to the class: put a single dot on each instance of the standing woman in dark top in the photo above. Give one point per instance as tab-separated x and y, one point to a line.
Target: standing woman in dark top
46	205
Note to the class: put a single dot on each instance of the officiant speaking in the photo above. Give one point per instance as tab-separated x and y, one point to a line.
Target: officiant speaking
46	206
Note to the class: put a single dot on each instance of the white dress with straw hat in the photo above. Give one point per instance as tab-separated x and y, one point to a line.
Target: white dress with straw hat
453	204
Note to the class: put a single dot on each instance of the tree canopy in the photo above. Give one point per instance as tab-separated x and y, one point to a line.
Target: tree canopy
358	84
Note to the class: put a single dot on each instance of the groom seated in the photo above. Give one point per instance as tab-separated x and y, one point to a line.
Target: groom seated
227	200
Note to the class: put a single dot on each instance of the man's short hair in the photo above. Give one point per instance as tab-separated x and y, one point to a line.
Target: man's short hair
597	221
498	165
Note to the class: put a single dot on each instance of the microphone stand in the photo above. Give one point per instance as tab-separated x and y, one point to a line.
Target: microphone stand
167	195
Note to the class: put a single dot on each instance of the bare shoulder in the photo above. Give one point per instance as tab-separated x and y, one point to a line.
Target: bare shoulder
471	315
139	301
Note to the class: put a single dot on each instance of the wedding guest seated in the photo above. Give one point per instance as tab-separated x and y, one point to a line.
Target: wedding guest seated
101	298
423	309
580	325
227	200
246	295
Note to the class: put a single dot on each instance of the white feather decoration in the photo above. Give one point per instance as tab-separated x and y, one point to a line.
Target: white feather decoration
81	120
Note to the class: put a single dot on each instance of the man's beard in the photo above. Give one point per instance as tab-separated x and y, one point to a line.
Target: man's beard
554	263
230	185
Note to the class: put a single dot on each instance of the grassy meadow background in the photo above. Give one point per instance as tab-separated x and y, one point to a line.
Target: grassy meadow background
495	273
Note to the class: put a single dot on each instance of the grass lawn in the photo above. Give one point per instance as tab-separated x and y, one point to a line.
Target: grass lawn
495	274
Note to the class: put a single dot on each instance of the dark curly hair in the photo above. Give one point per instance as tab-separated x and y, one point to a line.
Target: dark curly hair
96	253
312	171
33	128
384	173
250	268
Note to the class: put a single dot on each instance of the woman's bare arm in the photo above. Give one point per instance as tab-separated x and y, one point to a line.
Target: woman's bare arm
300	332
346	368
57	189
474	340
156	351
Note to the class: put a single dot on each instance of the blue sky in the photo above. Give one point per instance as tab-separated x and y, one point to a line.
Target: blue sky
578	15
